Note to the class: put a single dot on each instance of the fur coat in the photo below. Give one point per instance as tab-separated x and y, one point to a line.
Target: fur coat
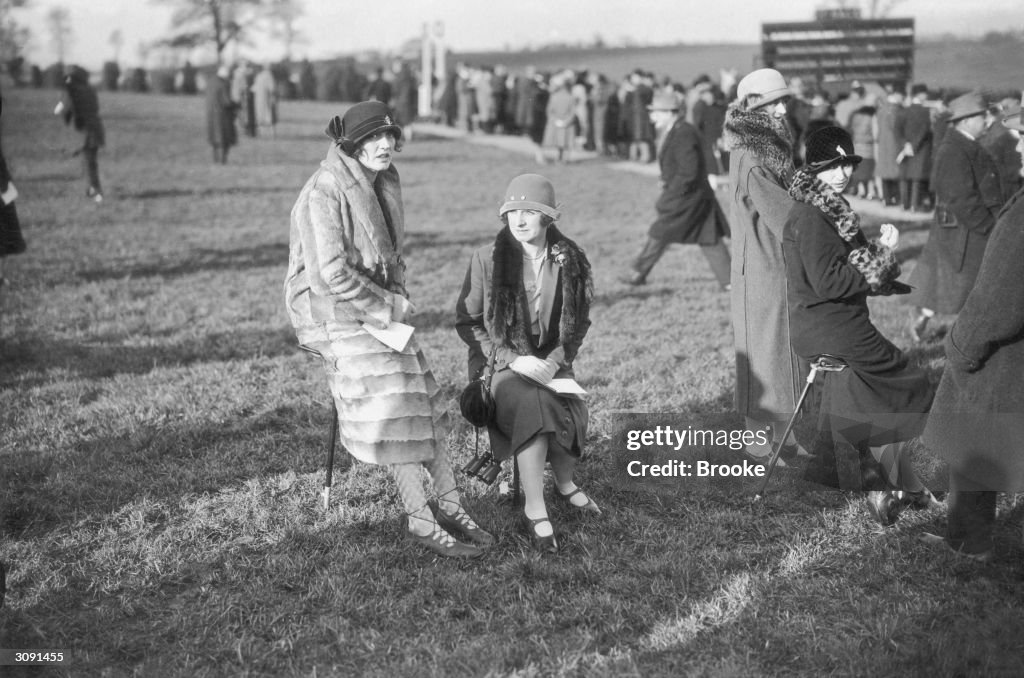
492	313
769	375
345	272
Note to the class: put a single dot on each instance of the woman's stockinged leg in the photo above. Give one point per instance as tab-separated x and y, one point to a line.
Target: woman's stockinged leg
563	467
531	461
443	479
410	487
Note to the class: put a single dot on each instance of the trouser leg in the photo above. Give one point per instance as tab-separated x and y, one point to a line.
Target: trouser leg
719	261
92	167
650	254
971	516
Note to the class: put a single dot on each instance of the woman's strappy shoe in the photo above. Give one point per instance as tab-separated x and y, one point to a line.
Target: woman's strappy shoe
444	544
590	507
462	522
548	544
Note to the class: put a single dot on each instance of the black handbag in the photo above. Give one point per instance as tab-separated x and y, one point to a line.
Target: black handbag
476	402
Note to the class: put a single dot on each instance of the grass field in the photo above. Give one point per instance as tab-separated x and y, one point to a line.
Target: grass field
161	444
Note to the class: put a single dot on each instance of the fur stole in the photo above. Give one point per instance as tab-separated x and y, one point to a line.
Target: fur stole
508	297
875	261
766	137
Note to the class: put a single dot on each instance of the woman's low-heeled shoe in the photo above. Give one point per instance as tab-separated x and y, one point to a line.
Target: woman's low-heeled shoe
884	507
548	544
436	542
464	523
589	507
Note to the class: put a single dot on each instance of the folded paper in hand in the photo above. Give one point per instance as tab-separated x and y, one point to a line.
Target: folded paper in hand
10	194
396	336
564	386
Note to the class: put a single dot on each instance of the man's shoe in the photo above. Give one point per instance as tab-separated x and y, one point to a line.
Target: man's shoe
463	523
941	542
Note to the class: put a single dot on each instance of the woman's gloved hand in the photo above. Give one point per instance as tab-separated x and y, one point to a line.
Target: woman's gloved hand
540	370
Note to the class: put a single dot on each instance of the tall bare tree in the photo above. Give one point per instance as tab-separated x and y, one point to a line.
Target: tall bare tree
58	22
199	22
281	16
13	36
879	9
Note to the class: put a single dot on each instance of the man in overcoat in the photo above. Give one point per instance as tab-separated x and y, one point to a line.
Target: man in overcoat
220	116
688	211
769	374
1001	144
977	418
967	199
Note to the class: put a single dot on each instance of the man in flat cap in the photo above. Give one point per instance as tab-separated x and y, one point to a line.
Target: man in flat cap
967	200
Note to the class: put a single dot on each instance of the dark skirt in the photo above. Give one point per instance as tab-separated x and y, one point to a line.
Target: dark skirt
876	404
525	410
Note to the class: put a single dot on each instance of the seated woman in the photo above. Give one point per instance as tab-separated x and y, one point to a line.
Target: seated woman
346	279
526	302
880	401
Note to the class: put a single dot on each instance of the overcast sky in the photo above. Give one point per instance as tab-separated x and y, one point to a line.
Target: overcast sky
332	27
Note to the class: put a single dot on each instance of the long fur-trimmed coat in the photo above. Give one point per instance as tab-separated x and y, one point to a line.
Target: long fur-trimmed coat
832	269
491	313
769	374
345	271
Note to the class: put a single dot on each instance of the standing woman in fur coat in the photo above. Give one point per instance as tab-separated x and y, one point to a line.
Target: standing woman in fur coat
526	302
880	401
768	373
346	276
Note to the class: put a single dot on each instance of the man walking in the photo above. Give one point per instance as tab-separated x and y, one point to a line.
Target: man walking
688	211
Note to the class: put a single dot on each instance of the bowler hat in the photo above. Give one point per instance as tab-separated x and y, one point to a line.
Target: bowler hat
966	106
1014	121
530	192
664	101
766	82
360	121
828	147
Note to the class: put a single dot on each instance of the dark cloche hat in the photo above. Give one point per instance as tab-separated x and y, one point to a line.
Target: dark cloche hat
828	147
362	120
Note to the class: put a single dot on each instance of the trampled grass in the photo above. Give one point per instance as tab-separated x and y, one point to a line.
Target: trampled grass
162	440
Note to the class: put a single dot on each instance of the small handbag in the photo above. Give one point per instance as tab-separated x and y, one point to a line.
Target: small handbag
476	402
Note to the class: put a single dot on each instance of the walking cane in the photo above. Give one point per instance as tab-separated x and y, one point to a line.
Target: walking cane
823	363
325	494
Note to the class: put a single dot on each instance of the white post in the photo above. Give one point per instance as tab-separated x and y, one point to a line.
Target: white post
440	56
425	107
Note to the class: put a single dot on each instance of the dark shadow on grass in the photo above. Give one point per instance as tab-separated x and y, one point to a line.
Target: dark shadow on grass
625	292
196	261
417	241
27	363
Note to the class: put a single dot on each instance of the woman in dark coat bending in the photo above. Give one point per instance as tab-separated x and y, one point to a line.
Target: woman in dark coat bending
880	401
526	302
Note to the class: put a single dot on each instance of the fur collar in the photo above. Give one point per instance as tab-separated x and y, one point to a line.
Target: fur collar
766	137
876	262
506	310
808	188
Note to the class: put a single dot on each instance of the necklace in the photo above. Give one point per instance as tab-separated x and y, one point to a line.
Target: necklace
540	256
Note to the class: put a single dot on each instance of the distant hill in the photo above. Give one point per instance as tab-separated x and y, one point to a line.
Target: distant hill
953	64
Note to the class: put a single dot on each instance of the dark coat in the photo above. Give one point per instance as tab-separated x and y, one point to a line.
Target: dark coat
220	113
968	198
11	239
82	107
879	398
977	421
688	211
889	143
914	127
1002	146
769	375
640	126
